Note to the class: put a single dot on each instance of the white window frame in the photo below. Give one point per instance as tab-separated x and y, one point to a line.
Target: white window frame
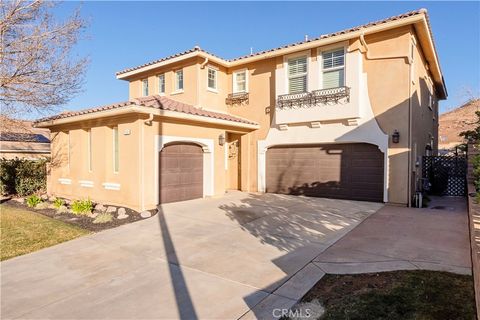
215	89
333	47
285	67
160	92
89	151
234	80
144	87
176	84
115	145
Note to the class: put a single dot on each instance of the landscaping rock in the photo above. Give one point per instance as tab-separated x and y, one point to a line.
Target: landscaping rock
145	214
42	205
62	209
94	214
122	213
44	197
111	209
52	198
19	200
100	207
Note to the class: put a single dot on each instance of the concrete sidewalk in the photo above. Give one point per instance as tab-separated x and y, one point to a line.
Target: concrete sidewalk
395	238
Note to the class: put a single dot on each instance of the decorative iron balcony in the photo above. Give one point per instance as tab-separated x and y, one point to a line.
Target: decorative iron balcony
309	99
237	98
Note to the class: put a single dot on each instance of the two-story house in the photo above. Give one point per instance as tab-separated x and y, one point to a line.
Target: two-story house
345	115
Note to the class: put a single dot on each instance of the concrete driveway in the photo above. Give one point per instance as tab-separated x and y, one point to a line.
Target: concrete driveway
224	258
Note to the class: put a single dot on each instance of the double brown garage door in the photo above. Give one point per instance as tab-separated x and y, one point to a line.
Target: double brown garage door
344	171
181	172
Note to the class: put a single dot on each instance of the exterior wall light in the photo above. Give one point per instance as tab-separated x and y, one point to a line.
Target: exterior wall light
396	136
221	139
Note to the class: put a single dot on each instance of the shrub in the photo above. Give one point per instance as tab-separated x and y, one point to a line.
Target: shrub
103	218
82	207
58	203
33	201
22	177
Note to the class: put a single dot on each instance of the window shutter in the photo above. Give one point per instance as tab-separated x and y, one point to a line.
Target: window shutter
333	79
297	65
297	84
297	75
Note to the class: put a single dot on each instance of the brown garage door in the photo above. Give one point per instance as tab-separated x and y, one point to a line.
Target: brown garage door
344	171
181	172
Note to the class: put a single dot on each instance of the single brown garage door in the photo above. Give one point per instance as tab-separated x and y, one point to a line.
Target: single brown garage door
344	171
181	172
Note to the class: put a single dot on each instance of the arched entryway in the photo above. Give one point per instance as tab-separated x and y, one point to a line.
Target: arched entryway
181	172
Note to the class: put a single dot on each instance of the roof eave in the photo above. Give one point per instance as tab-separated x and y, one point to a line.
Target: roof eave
130	109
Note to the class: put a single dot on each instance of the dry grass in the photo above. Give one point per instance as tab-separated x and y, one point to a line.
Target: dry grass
23	231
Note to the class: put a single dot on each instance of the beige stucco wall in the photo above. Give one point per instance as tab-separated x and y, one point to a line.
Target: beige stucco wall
386	81
388	89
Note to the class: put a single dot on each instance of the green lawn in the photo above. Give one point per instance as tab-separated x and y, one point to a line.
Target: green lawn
23	231
402	295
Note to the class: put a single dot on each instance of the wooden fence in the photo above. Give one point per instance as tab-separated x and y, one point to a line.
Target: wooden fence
474	221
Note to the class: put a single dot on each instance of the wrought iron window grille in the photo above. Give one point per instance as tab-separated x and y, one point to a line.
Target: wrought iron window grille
238	98
310	99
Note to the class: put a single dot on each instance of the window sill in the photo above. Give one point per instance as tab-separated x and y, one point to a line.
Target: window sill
176	92
212	90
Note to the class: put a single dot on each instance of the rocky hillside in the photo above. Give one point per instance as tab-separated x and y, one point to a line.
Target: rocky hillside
453	122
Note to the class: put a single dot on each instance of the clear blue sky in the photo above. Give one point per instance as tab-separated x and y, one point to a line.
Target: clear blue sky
127	34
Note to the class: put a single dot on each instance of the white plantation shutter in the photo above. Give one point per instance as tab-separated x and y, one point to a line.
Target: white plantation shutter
333	68
297	75
297	84
333	79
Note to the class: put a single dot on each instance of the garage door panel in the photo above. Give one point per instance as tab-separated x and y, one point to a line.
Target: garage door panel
346	171
181	172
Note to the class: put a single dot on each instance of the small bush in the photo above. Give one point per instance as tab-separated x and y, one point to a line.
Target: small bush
33	201
103	218
82	207
58	203
22	177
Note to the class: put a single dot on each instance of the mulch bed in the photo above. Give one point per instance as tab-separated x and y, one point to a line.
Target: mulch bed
417	294
84	222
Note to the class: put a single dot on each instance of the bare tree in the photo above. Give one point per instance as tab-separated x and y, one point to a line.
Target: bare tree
38	72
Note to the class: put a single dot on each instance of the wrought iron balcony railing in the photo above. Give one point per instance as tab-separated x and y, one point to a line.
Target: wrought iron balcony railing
309	99
237	98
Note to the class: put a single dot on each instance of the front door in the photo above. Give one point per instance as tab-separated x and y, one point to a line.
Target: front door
233	159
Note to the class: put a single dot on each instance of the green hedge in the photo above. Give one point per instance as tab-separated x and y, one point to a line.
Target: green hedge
22	177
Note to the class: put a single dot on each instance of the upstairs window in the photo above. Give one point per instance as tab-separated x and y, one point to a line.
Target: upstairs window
179	80
240	81
297	75
145	87
212	79
333	67
161	83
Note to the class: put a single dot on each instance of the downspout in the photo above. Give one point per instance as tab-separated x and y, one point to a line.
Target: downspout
409	59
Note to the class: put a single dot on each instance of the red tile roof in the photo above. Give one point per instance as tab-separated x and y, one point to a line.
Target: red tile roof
156	102
363	26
